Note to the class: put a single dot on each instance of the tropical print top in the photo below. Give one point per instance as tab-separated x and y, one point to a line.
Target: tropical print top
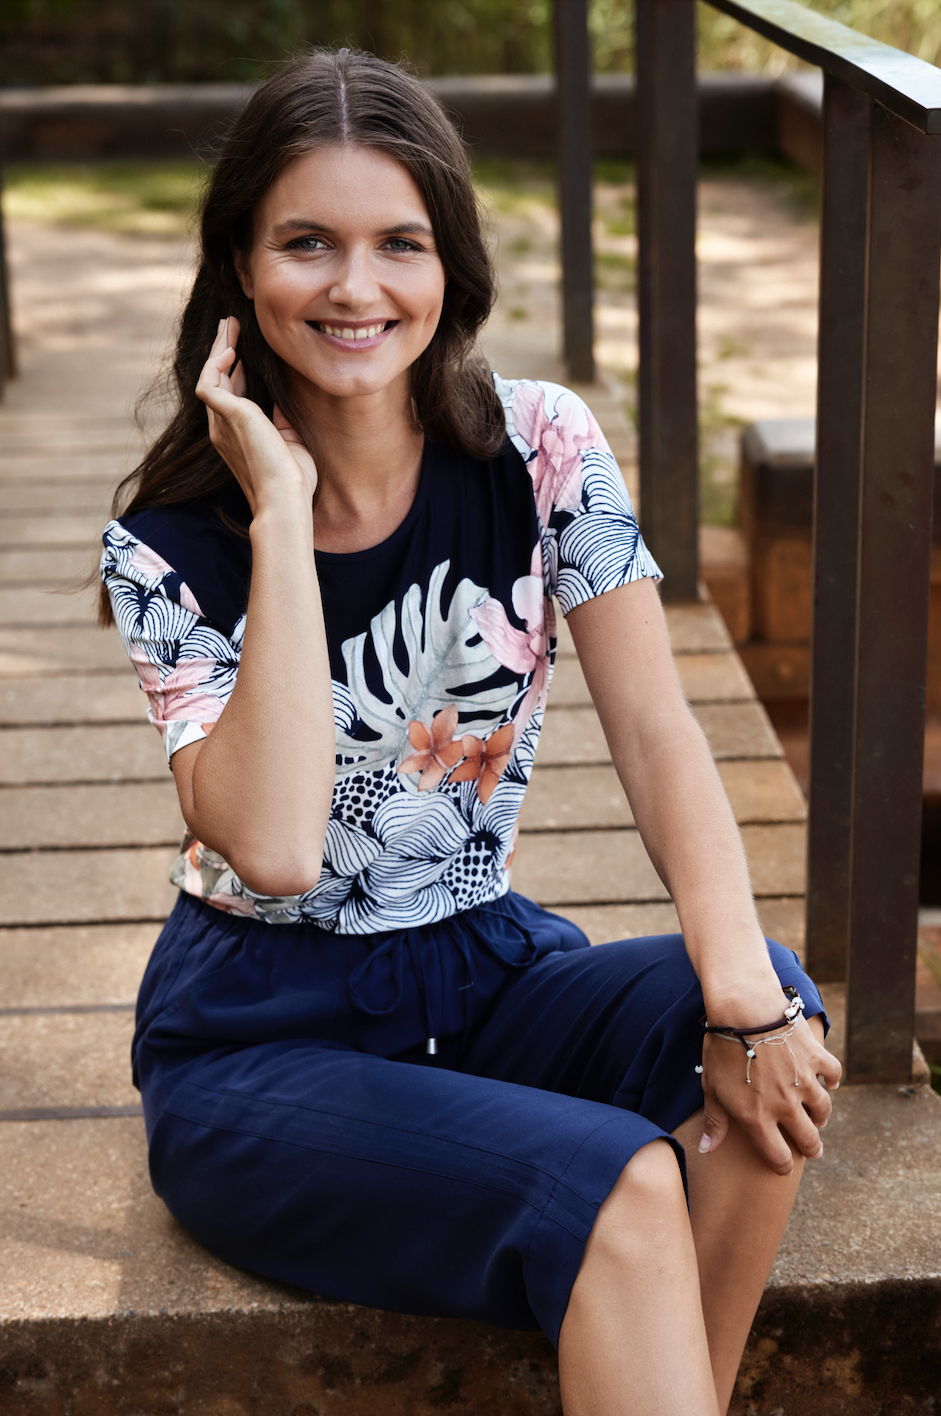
441	642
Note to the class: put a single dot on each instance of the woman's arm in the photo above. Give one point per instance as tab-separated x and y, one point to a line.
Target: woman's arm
258	788
686	824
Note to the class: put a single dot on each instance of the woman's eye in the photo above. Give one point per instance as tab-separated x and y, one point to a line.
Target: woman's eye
307	243
399	243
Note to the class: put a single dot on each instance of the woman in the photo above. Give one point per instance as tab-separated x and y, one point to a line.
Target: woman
368	1067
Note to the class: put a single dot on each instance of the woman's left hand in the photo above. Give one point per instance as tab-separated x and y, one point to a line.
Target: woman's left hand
772	1110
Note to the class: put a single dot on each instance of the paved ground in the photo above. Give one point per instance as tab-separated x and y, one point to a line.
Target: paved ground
89	827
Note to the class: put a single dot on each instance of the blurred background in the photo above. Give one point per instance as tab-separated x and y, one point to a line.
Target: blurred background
169	41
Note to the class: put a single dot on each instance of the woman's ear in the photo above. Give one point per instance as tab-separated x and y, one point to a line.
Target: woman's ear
244	272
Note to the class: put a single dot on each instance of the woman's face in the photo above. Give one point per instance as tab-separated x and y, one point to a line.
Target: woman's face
344	271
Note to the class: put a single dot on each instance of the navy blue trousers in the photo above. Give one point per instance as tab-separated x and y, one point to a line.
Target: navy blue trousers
299	1127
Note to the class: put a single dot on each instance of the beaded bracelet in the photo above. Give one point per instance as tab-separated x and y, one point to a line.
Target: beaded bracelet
744	1035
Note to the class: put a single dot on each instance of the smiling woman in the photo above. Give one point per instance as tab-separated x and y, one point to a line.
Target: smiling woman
368	1067
362	276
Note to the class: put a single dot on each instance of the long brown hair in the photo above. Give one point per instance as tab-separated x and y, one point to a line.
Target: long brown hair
316	99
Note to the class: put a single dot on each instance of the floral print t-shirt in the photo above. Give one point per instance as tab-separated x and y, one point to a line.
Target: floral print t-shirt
441	642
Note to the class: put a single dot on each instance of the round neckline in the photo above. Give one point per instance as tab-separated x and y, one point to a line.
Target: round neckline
403	528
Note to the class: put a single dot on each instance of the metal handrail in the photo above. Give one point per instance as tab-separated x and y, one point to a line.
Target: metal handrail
880	282
905	85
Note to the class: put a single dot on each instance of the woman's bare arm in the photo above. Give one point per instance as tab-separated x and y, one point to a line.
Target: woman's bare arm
686	824
258	788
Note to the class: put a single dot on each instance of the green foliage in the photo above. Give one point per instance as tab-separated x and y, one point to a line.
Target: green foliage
147	41
137	198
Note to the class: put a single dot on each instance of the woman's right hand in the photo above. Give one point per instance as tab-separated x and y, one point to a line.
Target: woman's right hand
266	457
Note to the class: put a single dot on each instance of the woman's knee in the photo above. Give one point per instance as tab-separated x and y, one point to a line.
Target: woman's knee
646	1208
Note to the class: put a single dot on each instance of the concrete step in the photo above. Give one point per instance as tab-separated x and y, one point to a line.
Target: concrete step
86	886
73	700
56	816
57	566
106	1307
100	752
76	650
576	798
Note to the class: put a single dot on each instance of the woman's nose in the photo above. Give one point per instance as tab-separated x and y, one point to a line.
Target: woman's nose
354	284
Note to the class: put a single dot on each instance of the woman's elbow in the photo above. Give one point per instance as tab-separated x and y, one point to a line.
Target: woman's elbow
284	874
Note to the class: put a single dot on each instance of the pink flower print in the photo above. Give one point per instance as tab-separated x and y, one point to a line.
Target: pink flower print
486	761
436	752
154	567
556	469
177	699
525	651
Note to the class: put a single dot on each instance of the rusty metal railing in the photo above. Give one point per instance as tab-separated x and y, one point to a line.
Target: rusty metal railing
877	390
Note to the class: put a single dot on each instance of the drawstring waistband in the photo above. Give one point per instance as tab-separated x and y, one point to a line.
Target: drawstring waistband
378	994
421	949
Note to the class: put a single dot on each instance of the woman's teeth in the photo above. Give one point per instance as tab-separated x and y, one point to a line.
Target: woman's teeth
344	331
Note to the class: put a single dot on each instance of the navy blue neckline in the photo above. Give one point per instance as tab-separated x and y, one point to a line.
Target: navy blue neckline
403	528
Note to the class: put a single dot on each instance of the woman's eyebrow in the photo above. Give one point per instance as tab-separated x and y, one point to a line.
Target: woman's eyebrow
404	228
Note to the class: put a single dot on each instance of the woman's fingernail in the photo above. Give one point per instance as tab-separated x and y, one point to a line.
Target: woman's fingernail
817	1154
705	1144
823	1123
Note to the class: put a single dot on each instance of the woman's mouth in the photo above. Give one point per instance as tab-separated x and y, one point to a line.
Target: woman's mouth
352	334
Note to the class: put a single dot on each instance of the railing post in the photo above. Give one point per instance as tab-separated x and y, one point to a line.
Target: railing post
575	146
840	363
7	348
667	166
896	493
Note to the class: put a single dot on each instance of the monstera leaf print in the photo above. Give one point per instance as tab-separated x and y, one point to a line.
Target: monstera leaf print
447	662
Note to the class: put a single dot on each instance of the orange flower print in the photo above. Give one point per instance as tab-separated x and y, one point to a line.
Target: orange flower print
436	752
485	760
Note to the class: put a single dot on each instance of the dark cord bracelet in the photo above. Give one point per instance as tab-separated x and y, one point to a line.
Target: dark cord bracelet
791	1014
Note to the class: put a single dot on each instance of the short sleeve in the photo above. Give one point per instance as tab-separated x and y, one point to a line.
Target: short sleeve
185	664
591	540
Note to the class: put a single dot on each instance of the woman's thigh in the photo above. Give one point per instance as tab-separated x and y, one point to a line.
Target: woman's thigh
618	1023
414	1188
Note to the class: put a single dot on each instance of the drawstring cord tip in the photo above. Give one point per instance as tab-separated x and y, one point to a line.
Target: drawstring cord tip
431	1047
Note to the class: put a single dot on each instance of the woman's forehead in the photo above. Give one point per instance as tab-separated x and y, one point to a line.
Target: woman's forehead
349	185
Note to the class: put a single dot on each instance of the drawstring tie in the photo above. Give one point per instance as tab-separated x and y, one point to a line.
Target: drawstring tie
366	981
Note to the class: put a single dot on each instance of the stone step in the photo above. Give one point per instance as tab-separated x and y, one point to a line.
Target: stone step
86	886
55	816
75	965
80	649
59	530
47	605
77	699
56	566
586	867
733	731
104	752
706	678
108	1307
574	798
29	495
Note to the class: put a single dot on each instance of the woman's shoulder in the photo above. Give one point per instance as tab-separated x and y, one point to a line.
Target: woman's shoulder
534	407
198	550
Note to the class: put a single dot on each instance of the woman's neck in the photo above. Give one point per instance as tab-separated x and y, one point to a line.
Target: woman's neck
369	455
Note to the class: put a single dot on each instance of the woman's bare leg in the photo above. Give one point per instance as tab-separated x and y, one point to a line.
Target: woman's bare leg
633	1342
738	1210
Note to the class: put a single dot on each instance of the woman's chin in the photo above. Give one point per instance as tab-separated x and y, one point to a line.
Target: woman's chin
345	382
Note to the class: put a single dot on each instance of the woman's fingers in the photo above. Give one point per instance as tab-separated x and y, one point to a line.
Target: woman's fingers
715	1126
237	379
784	1101
298	447
220	371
